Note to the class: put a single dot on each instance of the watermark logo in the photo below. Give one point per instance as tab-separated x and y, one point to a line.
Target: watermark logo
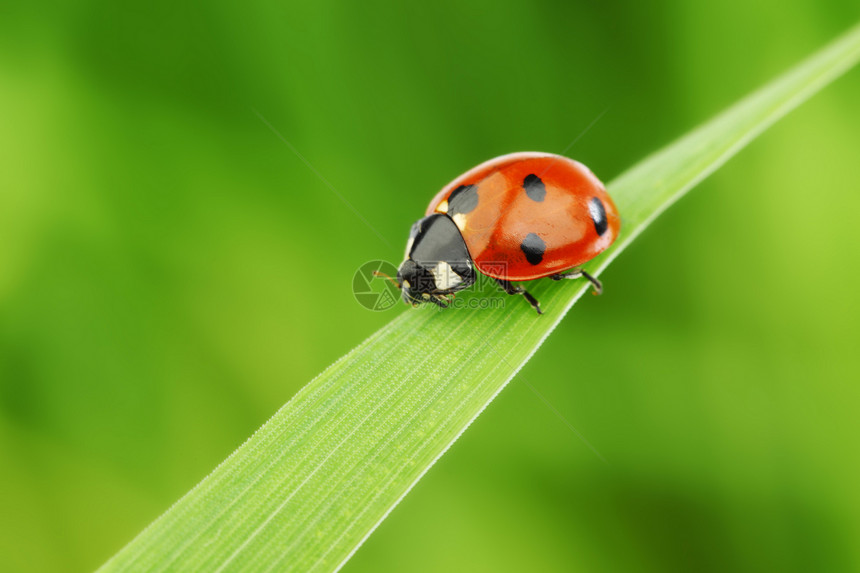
374	292
477	302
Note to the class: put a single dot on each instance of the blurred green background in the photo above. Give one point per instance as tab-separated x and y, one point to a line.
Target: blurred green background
171	273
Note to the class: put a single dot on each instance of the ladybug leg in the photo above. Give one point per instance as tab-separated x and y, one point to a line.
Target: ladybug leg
509	288
598	286
437	300
441	301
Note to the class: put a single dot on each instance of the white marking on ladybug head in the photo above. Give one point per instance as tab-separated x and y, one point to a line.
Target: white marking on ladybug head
444	276
460	220
442	207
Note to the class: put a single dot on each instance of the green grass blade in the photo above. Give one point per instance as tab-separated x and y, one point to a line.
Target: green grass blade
304	491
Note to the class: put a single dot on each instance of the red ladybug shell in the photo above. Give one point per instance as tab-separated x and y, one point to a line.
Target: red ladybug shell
526	216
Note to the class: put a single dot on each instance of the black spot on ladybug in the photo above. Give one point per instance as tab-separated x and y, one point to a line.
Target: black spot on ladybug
534	187
533	247
463	199
598	215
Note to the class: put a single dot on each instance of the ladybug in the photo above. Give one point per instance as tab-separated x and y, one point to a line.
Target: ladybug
518	217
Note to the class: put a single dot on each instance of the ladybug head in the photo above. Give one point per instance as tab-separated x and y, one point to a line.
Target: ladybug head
437	262
418	283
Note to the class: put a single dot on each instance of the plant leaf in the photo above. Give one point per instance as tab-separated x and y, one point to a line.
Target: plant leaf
307	489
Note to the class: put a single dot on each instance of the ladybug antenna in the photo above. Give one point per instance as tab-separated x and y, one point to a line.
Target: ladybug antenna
385	276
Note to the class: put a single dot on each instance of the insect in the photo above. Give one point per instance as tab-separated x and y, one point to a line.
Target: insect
518	217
